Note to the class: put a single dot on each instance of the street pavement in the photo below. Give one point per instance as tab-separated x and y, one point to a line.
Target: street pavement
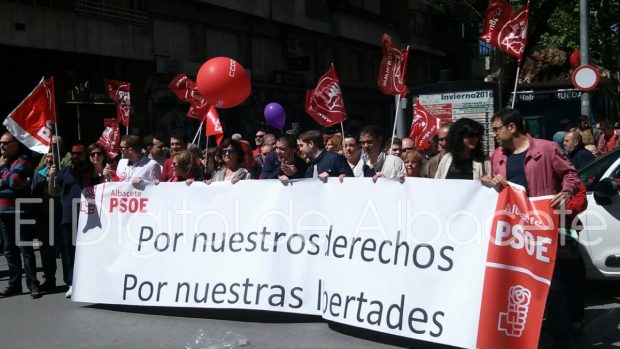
55	322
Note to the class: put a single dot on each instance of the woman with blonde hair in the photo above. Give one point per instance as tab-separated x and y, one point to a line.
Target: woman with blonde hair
413	163
334	144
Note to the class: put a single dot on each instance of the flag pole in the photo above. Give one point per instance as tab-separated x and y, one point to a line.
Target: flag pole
399	97
79	128
514	92
198	133
342	129
395	120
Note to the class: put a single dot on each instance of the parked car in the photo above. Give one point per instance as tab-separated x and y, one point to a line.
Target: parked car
600	237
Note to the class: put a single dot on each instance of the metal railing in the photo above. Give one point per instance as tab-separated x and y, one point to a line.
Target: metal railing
110	12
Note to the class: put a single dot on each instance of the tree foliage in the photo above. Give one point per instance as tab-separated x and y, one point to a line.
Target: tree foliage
555	23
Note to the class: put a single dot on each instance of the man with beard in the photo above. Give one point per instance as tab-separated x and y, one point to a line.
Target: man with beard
430	167
323	164
68	183
284	164
542	169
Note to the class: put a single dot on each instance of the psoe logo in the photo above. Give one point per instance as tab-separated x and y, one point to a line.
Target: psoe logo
128	202
512	322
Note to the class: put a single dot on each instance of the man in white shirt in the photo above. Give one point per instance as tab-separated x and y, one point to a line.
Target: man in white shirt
378	164
134	167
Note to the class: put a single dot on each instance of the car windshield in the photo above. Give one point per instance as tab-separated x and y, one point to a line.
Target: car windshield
591	174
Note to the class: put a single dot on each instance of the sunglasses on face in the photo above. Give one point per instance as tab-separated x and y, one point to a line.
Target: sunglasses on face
228	151
96	153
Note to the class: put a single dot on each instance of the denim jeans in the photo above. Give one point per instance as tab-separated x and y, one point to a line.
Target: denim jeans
12	252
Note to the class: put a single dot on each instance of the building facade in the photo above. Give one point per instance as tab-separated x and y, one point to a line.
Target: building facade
285	45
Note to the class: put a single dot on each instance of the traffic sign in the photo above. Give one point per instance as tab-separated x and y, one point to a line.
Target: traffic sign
585	78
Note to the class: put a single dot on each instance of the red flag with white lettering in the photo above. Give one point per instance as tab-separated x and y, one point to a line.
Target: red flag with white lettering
505	29
120	93
187	91
214	127
519	268
110	137
325	103
391	80
32	120
424	127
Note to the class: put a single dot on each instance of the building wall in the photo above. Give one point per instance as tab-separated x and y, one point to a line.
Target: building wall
61	30
285	45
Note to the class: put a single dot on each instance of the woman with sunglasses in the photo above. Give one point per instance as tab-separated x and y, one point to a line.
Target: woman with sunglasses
98	160
464	158
232	155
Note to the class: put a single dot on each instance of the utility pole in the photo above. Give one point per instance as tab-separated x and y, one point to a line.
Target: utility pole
584	50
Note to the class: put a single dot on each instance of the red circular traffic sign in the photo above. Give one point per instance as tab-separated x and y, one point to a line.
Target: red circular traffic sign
585	78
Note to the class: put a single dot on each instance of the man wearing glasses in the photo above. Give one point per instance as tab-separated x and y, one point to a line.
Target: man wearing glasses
67	184
258	140
542	169
135	167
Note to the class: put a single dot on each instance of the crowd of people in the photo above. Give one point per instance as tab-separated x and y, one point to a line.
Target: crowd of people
542	167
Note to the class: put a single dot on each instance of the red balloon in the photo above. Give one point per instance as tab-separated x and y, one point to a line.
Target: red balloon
223	82
575	59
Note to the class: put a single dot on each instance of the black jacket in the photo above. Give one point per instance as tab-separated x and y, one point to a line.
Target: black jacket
580	157
272	170
332	163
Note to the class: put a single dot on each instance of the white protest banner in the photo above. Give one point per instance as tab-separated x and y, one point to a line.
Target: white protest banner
404	259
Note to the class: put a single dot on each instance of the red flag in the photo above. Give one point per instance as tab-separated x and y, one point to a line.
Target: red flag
325	103
391	80
31	122
120	93
214	127
517	279
424	127
111	137
186	90
505	29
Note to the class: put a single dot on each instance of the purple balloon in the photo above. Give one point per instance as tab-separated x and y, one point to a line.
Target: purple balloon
275	115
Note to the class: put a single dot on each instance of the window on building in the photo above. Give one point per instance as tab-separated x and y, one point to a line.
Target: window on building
267	57
220	43
173	39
